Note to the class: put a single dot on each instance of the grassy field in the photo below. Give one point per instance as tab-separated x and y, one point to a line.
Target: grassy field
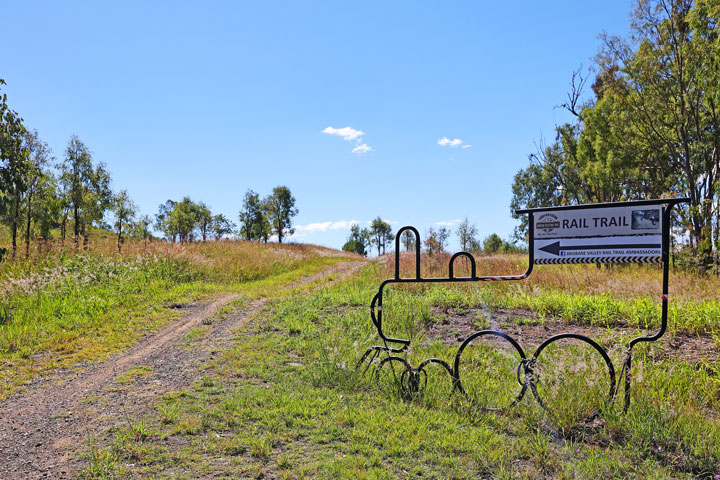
584	294
61	308
287	401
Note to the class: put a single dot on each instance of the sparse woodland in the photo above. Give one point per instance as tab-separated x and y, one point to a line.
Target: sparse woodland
48	201
648	128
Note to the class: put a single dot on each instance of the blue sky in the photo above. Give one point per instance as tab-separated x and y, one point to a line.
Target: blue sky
209	99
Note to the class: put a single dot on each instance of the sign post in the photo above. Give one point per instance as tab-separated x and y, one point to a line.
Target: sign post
620	232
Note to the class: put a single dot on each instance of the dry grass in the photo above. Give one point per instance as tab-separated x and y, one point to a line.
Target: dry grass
223	261
286	401
59	305
620	281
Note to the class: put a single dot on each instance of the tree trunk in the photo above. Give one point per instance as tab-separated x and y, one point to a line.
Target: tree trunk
14	227
717	233
14	240
27	230
76	227
85	234
63	226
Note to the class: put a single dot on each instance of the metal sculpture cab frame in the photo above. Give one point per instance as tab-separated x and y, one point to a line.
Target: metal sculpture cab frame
412	380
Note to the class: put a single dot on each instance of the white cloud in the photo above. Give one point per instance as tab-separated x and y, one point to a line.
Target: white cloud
314	227
343	224
295	236
448	223
446	142
325	226
466	146
348	133
362	149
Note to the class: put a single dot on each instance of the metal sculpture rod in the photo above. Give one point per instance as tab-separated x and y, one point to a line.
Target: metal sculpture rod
619	244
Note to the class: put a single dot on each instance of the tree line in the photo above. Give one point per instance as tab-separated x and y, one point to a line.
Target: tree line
40	194
379	235
651	128
186	221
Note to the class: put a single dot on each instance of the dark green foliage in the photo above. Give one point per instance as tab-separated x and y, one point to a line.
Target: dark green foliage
141	228
357	240
280	208
381	234
221	226
182	219
205	219
14	167
87	187
254	224
467	235
37	199
652	128
41	199
125	211
494	244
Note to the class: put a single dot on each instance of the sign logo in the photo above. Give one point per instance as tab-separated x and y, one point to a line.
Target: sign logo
645	219
547	223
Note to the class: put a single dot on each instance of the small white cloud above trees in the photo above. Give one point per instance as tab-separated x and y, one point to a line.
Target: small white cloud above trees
362	149
446	142
350	134
325	226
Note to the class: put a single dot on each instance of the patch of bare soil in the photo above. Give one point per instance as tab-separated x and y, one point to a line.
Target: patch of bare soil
43	428
529	331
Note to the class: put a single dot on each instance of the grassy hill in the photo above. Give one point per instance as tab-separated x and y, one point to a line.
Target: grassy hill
61	307
284	399
287	401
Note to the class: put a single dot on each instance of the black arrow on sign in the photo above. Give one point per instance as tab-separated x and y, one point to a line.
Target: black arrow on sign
555	248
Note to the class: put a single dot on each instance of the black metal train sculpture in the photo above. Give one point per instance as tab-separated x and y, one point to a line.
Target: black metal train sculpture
412	380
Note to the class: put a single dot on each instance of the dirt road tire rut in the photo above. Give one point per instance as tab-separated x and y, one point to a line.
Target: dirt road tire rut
43	429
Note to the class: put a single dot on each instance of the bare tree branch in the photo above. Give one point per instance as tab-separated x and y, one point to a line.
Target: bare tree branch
577	83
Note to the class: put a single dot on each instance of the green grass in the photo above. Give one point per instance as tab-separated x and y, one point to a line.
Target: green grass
63	309
600	310
286	402
698	317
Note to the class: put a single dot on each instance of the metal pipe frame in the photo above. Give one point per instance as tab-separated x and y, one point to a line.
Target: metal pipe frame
412	380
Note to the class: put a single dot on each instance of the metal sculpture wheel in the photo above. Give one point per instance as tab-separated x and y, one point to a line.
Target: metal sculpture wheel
412	381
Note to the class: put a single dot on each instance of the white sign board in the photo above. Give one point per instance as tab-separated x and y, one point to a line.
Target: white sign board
631	234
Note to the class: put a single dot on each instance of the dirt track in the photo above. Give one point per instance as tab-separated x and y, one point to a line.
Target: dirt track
43	429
